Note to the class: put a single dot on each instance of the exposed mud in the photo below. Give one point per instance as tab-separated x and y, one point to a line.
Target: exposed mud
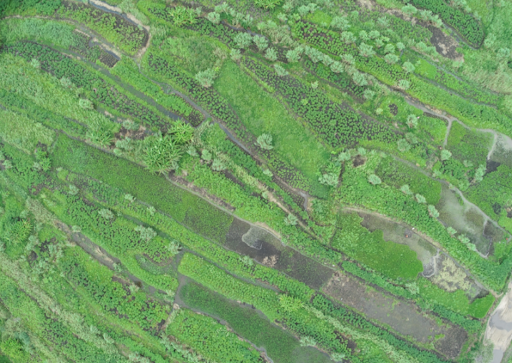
260	245
401	316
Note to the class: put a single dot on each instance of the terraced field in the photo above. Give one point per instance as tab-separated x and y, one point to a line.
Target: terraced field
255	181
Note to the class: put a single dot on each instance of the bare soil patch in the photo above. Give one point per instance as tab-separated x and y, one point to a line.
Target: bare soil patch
403	317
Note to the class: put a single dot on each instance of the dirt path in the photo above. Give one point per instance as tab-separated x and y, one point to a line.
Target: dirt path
499	326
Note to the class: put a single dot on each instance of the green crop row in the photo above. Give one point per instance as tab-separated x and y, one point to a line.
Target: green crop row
334	124
28	108
285	309
472	114
97	88
128	72
210	339
465	24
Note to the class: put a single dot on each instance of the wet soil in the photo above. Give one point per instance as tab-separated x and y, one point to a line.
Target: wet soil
358	161
403	317
445	44
266	249
393	109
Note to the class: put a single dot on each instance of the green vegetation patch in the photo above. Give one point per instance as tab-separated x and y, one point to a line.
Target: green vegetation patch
198	215
391	259
280	345
397	174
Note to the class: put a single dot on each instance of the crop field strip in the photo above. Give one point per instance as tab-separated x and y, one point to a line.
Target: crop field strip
183	183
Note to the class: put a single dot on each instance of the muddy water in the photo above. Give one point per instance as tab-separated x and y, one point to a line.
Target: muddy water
262	246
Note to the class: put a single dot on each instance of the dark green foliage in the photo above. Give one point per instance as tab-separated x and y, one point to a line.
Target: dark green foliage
336	125
465	24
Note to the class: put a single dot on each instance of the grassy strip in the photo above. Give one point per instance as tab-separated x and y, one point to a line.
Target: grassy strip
45	91
392	259
48	118
210	339
23	132
280	345
128	71
276	307
183	206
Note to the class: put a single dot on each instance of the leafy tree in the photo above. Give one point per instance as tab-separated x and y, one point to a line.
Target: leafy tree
412	121
403	145
130	125
409	9
374	179
366	50
391	58
314	85
261	42
106	213
359	79
218	165
330	179
374	34
181	132
290	220
161	153
267	4
271	54
265	141
206	77
235	55
420	198
363	35
400	46
348	37
293	56
408	67
404	84
433	211
243	40
340	22
307	341
368	94
451	231
73	190
445	155
405	189
146	234
327	61
35	63
281	72
66	82
183	16
206	155
489	40
214	17
174	247
389	48
85	104
337	67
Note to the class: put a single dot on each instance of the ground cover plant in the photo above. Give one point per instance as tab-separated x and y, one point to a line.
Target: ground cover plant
253	181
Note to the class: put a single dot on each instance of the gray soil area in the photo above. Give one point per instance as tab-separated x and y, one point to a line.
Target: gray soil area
401	316
262	246
502	152
465	219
